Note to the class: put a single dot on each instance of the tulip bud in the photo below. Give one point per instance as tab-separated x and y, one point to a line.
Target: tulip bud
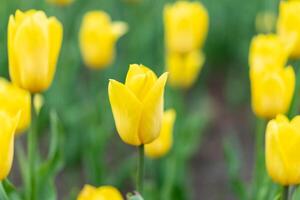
138	104
34	43
186	26
288	26
282	150
162	145
8	126
13	100
98	37
184	68
60	2
267	52
38	102
102	193
272	91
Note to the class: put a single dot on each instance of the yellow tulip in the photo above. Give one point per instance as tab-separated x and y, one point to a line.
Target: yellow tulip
184	68
186	26
102	193
272	91
162	145
60	2
288	26
138	105
14	99
98	37
34	43
267	52
282	150
8	126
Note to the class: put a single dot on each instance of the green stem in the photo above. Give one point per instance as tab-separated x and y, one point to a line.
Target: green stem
140	170
3	195
31	148
285	193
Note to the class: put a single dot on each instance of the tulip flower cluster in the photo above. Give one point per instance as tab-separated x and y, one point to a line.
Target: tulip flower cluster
186	27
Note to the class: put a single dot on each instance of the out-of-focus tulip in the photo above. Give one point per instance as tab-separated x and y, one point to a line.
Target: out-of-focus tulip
265	21
272	91
186	26
288	26
138	105
184	68
282	150
102	193
38	102
34	43
267	52
13	100
8	126
98	37
162	145
60	2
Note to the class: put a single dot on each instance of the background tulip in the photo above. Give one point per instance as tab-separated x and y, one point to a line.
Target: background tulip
267	51
60	2
186	26
137	105
272	91
162	145
184	68
102	193
13	100
288	26
282	150
98	37
34	43
8	126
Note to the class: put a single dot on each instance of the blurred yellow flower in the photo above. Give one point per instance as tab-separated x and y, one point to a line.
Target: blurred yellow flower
186	26
102	193
38	102
282	150
60	2
184	68
272	91
162	145
138	105
288	26
34	43
13	100
267	52
98	37
8	126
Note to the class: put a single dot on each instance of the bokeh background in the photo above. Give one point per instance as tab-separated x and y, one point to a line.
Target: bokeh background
213	147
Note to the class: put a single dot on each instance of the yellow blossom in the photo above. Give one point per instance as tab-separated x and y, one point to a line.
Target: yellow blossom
138	105
34	43
162	145
102	193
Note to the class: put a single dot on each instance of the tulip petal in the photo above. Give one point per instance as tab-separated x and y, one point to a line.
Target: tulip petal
55	40
31	50
127	111
150	123
119	29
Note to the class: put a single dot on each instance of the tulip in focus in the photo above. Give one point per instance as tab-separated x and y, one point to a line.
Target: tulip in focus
60	2
272	91
98	37
288	26
102	193
162	145
186	26
34	42
184	68
138	105
282	150
267	52
8	127
13	100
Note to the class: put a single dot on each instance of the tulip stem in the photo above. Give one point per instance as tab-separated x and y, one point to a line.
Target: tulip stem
32	147
285	193
3	195
140	169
